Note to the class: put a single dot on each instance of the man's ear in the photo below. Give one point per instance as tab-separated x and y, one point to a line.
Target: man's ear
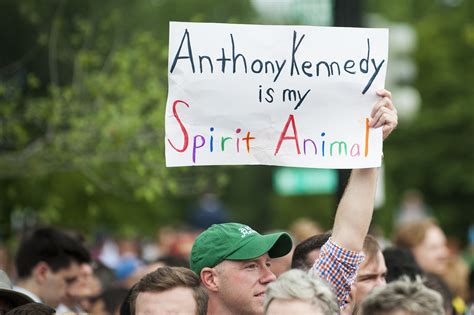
40	271
210	279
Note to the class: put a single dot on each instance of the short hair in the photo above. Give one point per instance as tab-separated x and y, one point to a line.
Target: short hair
51	246
112	298
412	234
125	307
167	278
403	295
370	247
400	262
298	284
32	308
302	250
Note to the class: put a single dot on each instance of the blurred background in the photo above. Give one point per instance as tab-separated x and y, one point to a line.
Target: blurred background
83	87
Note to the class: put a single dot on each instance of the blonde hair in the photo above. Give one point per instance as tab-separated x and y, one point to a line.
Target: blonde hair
403	295
412	234
299	285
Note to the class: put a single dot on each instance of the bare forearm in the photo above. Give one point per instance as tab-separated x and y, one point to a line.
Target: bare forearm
354	212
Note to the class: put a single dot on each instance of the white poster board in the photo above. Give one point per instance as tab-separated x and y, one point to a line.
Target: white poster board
275	95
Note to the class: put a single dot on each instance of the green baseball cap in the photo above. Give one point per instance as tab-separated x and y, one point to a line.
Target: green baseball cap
235	241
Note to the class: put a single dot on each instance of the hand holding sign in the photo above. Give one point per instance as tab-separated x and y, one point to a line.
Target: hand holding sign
275	95
384	114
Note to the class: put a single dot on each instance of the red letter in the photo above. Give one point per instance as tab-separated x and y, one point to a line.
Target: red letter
283	136
185	132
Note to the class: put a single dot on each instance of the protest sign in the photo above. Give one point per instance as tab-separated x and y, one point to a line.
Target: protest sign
275	95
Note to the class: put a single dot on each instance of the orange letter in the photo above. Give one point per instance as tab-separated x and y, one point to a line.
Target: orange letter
366	136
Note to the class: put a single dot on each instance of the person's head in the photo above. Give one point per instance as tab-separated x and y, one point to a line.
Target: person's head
303	228
169	289
10	298
296	292
108	302
233	262
306	252
372	271
436	283
47	262
32	308
400	262
427	243
403	297
86	286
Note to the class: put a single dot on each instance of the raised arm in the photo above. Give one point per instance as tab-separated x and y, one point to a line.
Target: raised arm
354	212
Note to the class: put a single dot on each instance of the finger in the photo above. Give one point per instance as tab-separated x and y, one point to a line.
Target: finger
380	120
384	102
384	93
387	129
384	116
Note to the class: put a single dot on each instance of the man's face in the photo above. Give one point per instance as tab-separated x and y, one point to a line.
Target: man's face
54	284
283	307
178	300
86	285
432	253
242	284
371	275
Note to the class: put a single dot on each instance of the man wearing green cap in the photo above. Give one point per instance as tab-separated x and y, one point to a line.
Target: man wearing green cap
233	260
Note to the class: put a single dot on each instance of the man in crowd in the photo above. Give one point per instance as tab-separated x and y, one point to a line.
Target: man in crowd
308	250
371	273
403	297
233	260
296	292
47	262
169	290
9	298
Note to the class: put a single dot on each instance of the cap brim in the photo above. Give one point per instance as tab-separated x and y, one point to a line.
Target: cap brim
16	298
276	245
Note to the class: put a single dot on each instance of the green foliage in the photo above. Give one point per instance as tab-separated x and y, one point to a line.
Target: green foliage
83	86
434	153
82	113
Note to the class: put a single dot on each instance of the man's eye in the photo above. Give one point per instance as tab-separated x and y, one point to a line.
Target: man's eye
70	281
252	266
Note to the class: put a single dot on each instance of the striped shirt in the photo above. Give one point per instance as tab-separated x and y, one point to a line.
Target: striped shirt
338	266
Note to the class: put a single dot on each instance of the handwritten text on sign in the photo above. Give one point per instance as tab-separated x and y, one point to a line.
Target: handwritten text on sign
274	95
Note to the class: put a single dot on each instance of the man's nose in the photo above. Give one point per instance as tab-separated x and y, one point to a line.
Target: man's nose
380	281
267	275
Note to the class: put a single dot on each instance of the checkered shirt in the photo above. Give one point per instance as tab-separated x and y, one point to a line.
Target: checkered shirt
338	266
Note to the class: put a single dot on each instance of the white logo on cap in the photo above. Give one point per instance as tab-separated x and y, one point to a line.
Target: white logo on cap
246	230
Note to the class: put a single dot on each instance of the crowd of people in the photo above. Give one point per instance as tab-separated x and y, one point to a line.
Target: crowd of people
230	268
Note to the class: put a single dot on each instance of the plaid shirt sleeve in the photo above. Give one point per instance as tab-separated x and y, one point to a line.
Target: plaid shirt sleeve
338	266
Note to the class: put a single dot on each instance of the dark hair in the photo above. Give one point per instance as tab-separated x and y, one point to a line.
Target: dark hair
302	250
32	308
435	282
400	262
167	278
125	308
51	246
112	298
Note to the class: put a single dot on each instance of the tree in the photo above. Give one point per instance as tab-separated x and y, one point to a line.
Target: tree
82	110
